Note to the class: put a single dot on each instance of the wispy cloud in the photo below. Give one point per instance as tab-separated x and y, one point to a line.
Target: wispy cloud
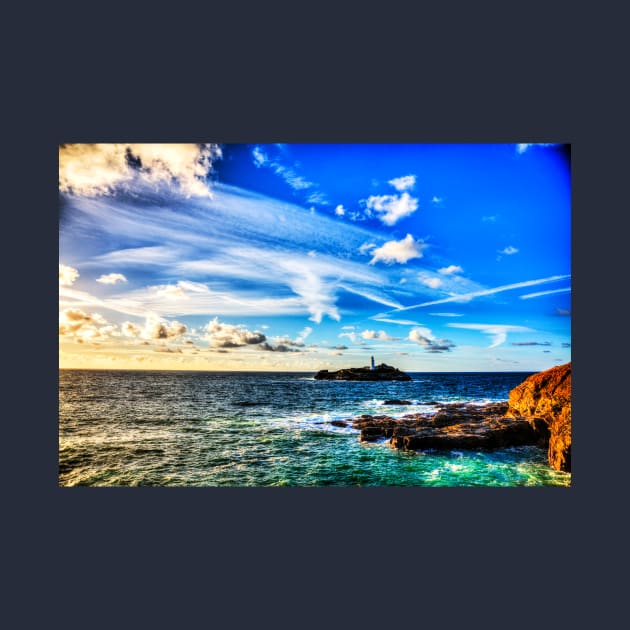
290	174
498	332
466	297
446	314
509	250
401	322
540	293
371	295
398	251
531	343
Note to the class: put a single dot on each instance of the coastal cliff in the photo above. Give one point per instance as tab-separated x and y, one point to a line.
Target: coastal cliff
380	372
544	400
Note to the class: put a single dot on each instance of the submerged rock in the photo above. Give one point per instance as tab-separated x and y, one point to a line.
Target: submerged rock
380	372
396	401
544	400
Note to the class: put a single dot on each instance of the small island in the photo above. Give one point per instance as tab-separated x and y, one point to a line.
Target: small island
373	372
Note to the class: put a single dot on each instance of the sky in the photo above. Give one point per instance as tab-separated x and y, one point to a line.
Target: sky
290	257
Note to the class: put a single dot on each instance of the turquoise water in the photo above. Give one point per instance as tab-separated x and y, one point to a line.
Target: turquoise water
131	428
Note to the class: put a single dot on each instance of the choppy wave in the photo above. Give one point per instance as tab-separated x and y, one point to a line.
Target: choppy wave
212	429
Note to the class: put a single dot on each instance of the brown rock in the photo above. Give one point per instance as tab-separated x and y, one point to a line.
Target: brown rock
544	399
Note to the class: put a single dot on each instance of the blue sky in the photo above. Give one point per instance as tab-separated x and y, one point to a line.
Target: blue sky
302	257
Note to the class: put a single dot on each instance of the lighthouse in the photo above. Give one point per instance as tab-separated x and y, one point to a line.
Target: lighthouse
371	363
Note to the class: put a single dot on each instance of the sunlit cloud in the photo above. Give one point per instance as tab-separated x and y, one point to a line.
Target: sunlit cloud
129	329
67	275
98	169
161	329
221	335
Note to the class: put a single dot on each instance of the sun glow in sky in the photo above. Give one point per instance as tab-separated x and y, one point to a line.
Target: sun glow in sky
303	257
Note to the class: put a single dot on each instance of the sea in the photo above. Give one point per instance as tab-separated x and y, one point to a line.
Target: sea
170	428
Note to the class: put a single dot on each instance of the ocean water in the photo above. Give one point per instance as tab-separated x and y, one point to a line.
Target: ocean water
133	428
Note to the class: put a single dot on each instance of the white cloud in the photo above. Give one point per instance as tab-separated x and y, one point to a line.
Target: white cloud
398	251
98	169
434	283
222	335
509	250
391	208
437	200
340	210
466	297
447	314
111	278
498	332
450	270
540	293
67	275
403	183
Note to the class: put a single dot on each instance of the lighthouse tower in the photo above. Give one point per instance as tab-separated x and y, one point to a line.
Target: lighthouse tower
371	363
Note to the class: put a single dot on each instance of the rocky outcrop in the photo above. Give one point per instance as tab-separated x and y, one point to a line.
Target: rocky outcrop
544	400
453	426
381	372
